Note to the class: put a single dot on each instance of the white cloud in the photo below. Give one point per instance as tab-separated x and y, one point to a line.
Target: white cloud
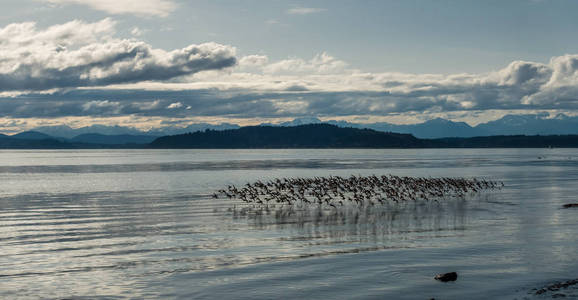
524	73
321	64
74	33
253	61
304	10
148	105
135	31
77	54
175	105
325	79
160	8
101	106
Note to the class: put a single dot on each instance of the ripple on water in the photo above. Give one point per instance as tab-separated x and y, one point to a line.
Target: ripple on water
161	235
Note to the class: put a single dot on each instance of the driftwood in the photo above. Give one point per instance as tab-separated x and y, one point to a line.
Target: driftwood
557	286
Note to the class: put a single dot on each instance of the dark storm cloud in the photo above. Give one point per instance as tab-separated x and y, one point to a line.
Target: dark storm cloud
247	104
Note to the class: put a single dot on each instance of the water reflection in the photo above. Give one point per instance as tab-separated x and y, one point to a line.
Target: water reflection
369	224
153	231
275	164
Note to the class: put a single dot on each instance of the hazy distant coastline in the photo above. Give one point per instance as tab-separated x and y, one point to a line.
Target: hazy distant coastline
276	137
528	124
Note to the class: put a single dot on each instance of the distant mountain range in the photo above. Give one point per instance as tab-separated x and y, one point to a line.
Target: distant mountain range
301	136
96	136
37	140
63	131
533	124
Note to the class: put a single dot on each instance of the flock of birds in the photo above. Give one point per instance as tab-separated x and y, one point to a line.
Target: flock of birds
337	191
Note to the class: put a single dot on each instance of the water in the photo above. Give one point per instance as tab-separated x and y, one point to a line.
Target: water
116	224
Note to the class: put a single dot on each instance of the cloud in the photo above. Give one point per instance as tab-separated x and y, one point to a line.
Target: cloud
524	73
161	8
325	79
304	10
100	107
60	36
175	105
253	61
135	31
322	63
324	86
140	106
79	54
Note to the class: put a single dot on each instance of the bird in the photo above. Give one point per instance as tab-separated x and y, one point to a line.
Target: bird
360	190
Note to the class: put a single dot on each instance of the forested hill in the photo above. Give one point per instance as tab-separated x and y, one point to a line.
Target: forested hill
507	141
330	136
304	136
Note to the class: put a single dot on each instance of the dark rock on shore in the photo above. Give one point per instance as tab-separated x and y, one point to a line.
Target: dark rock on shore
452	276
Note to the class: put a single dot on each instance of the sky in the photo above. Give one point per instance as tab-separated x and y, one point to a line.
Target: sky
151	63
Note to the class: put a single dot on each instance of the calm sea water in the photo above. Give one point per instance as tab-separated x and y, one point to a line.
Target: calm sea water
141	224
